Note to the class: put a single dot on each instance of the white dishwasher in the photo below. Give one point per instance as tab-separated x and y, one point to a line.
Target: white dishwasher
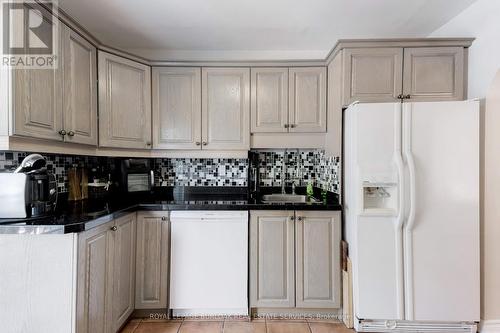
209	263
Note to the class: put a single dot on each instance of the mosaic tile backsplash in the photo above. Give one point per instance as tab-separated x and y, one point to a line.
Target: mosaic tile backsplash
302	166
200	172
56	164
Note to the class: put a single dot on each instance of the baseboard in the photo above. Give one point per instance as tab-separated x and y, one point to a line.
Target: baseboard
490	326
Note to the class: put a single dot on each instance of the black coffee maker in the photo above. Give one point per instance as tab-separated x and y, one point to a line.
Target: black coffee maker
41	186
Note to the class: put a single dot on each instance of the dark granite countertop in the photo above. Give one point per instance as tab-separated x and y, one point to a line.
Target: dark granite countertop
87	214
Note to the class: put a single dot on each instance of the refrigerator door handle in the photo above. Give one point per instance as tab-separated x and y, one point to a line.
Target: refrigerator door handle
398	156
410	223
411	167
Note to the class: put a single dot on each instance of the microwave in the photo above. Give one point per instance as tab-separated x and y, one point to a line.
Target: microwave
136	175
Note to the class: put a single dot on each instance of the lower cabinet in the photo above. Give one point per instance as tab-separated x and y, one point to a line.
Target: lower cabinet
105	280
295	259
123	233
317	259
95	266
151	279
272	277
122	266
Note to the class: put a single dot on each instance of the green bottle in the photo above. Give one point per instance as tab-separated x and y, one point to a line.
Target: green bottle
310	190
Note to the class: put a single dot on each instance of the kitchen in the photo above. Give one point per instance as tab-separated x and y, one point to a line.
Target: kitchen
152	183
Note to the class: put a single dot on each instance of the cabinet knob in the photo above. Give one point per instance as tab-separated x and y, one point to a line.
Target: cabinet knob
163	218
400	96
198	143
148	143
205	143
286	125
71	133
293	126
62	132
292	218
299	218
114	228
407	96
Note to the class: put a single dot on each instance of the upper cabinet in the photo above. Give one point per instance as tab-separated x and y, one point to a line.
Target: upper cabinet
59	104
434	73
413	70
269	100
37	98
124	103
288	100
176	108
372	74
80	88
225	108
307	99
388	74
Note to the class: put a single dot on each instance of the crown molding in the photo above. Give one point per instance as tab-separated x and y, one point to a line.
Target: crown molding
341	44
396	42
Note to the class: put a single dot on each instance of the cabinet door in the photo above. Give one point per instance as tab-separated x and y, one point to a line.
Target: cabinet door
372	74
37	100
94	283
176	108
123	269
317	260
80	88
307	94
151	280
434	73
226	108
269	100
272	281
124	103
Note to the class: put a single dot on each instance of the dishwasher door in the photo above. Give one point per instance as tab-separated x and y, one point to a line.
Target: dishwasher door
209	263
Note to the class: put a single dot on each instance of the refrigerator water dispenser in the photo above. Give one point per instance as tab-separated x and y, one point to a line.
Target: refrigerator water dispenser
379	198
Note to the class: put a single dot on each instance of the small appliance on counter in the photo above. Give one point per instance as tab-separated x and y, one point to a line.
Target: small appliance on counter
30	191
99	184
136	175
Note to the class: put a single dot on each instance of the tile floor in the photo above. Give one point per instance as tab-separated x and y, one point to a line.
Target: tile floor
233	326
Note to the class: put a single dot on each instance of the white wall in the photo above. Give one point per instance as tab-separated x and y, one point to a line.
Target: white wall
482	21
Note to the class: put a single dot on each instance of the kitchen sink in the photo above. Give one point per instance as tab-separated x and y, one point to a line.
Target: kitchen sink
286	198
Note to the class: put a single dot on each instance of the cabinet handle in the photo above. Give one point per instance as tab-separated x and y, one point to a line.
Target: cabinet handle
71	133
205	143
198	143
62	133
114	228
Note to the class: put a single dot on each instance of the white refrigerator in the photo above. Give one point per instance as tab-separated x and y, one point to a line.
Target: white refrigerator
411	200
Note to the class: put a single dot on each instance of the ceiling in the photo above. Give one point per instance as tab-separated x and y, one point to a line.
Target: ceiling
253	29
